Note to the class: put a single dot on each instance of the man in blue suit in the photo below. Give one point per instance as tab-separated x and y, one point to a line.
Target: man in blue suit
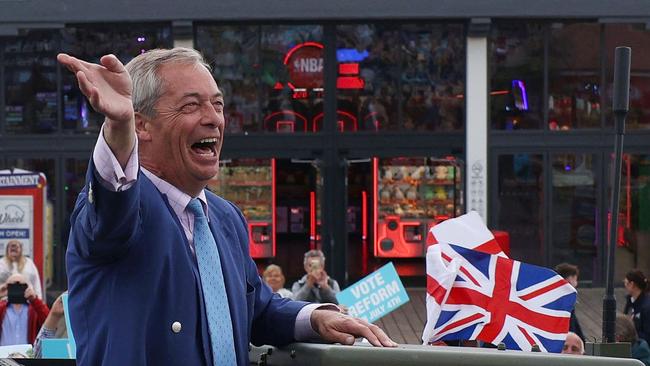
158	267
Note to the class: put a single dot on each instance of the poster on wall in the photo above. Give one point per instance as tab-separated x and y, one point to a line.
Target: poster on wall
23	207
16	214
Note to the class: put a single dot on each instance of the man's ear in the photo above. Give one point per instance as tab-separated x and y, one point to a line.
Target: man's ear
142	127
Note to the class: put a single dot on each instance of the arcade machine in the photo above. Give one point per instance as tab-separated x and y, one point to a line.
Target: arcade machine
410	196
250	184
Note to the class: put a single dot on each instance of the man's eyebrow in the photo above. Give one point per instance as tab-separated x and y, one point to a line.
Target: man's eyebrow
197	95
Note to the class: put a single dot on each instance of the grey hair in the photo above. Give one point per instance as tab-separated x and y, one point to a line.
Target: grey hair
147	84
625	330
314	253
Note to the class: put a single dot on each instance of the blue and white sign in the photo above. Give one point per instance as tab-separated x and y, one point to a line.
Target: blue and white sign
16	213
375	295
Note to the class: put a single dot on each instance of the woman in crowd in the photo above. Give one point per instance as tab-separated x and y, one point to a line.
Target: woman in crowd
637	305
15	262
275	279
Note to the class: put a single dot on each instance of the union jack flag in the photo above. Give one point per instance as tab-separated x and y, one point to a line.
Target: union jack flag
472	294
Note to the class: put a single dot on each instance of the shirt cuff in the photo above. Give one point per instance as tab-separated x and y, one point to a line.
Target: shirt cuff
303	330
113	177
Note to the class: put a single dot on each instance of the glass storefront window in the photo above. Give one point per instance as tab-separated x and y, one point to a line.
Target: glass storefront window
516	76
232	53
633	233
574	76
367	76
521	205
433	77
574	212
291	78
29	62
638	38
90	43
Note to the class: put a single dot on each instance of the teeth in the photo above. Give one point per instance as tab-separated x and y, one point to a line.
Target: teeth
206	141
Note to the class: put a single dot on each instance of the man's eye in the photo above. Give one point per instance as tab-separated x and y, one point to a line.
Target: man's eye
190	107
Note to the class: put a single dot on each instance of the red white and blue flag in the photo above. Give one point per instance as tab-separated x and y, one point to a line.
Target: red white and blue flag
484	295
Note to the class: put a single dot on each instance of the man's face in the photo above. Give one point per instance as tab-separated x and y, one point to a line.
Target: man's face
573	345
187	131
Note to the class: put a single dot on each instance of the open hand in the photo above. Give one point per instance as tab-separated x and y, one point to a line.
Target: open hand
107	86
334	326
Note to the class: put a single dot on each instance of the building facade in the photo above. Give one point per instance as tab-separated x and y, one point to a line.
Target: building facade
355	127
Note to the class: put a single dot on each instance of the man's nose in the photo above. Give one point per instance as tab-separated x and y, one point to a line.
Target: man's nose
211	116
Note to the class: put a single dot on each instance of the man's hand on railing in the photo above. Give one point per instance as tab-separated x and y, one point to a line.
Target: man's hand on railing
334	326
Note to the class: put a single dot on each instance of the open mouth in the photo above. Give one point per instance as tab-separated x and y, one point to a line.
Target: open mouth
207	146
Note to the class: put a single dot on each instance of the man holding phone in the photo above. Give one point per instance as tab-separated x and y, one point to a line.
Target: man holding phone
315	285
21	312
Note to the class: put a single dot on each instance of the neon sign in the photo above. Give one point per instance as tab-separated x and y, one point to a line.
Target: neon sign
304	63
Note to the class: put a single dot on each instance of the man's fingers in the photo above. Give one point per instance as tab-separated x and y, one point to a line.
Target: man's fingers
366	332
383	337
85	85
72	63
334	335
112	63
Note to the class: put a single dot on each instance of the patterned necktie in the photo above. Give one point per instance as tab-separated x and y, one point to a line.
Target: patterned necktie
214	289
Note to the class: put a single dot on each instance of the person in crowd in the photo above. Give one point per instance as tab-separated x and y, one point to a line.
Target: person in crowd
274	277
570	273
315	285
15	262
625	332
158	263
573	345
20	317
53	327
637	303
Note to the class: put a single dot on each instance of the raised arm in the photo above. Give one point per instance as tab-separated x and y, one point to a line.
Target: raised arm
108	87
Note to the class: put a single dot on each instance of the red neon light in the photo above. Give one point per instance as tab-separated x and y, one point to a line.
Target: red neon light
287	112
302	94
319	117
299	46
375	122
364	232
312	220
364	215
284	126
375	187
350	82
273	203
278	86
349	69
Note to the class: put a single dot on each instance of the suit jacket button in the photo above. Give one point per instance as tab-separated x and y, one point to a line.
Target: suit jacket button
176	327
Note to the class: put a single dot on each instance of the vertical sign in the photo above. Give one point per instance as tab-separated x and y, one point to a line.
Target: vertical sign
477	125
23	200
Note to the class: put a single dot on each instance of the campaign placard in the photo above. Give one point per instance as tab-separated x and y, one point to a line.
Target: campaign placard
375	295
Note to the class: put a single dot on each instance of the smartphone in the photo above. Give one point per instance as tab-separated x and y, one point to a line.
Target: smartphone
16	293
314	265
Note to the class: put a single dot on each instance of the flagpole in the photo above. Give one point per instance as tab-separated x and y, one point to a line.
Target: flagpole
620	106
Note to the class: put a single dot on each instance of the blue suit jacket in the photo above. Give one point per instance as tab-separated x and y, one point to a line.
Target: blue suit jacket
132	275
